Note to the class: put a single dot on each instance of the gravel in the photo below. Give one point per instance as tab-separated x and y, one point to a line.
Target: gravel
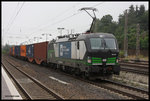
68	87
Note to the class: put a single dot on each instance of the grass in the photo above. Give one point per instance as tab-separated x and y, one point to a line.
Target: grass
141	57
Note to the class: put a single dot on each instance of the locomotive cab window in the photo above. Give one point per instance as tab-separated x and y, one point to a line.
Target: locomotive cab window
110	43
96	43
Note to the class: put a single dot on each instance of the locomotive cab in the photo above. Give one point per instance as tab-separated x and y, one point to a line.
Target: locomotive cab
102	54
91	55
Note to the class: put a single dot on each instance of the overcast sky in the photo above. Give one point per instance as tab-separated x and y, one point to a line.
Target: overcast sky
22	21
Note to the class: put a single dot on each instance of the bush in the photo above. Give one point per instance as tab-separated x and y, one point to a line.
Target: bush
121	54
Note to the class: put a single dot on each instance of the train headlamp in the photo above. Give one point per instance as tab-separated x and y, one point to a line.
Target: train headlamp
117	60
104	60
89	60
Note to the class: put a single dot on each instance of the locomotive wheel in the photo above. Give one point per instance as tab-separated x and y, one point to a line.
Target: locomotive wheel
54	66
77	71
85	75
63	68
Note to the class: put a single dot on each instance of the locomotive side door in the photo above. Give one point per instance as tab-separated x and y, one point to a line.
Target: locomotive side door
81	50
78	52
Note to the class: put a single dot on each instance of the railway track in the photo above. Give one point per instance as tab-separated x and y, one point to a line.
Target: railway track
135	67
136	63
133	60
35	89
125	90
137	71
139	60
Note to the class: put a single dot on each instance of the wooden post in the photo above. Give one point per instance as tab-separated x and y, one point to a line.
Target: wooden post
125	35
137	42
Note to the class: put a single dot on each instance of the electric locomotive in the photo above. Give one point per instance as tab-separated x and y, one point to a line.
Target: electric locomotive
93	55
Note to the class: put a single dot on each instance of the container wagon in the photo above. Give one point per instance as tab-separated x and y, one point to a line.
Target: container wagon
30	52
17	51
10	51
13	50
40	52
23	51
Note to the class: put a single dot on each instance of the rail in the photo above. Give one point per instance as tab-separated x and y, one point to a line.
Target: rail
50	91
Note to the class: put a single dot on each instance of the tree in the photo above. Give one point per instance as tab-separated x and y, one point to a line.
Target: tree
135	15
141	10
105	24
107	19
5	49
131	16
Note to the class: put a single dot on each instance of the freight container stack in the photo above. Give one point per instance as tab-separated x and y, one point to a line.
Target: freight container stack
30	52
17	51
13	51
40	52
10	51
23	51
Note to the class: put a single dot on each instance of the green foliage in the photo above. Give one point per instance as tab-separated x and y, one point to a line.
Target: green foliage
121	54
5	49
132	37
135	15
144	43
105	25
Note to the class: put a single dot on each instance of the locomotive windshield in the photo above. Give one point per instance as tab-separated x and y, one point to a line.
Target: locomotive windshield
96	43
110	43
103	43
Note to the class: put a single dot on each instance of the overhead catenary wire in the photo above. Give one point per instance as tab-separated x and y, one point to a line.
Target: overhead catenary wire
15	17
63	19
60	21
66	18
97	4
12	16
62	13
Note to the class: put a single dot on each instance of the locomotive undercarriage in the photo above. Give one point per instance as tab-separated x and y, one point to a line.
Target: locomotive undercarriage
95	72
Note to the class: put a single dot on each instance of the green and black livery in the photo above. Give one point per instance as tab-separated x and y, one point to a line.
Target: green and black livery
91	55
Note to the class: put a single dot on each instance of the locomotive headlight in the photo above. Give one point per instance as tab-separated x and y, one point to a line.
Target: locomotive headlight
104	60
117	60
89	60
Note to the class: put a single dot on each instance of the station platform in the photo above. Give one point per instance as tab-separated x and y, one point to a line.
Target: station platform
9	91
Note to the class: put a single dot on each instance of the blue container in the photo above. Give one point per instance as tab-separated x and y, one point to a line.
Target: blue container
30	50
11	50
17	50
65	49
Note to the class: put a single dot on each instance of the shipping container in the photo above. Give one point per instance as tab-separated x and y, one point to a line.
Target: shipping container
23	50
13	51
40	52
17	50
9	51
30	52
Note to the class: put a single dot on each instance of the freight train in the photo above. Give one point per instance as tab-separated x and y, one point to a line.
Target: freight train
93	55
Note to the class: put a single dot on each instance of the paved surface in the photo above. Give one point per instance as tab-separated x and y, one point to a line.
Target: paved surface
9	91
